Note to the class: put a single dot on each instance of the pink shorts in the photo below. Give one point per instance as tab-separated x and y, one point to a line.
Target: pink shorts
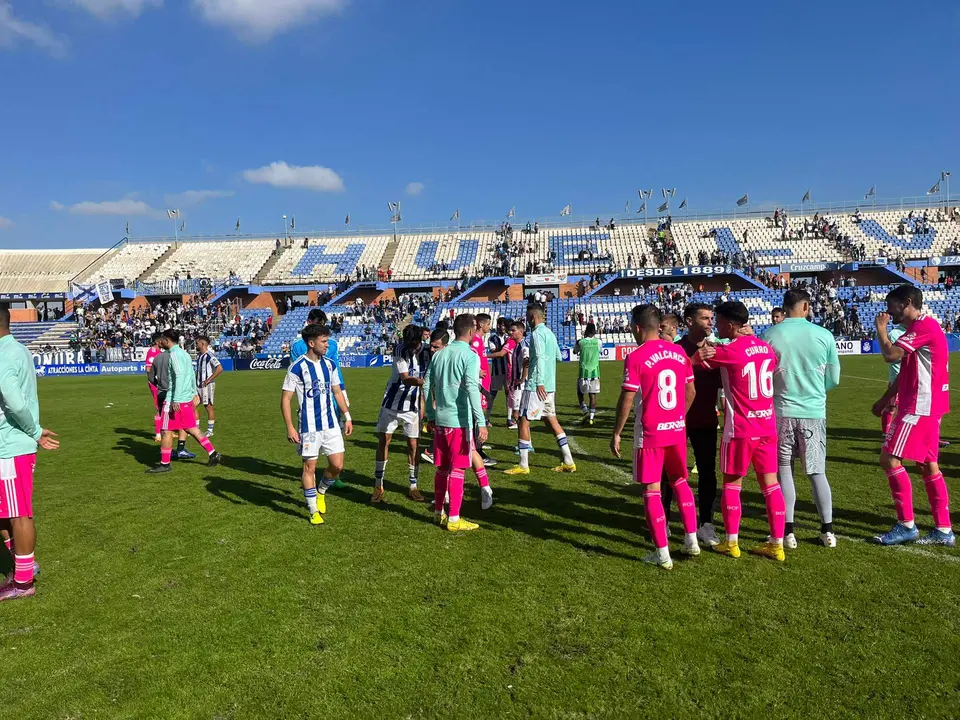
452	448
914	437
183	419
16	486
649	464
154	391
738	454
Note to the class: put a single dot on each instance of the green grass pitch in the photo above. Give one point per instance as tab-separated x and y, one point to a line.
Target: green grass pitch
205	593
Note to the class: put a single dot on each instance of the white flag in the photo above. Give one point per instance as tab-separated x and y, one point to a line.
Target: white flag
513	212
664	207
663	192
673	192
744	200
643	207
567	209
104	292
173	214
626	208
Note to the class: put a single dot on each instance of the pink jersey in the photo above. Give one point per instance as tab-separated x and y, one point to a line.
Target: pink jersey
510	345
478	346
152	352
924	385
746	370
658	372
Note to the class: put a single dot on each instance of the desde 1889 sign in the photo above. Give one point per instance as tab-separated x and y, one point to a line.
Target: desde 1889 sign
677	272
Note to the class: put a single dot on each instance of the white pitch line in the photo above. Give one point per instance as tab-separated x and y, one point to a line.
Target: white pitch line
860	377
907	549
578	449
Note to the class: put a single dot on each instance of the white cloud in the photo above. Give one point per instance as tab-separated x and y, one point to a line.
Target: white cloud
107	9
196	197
5	223
127	206
13	30
311	177
415	188
260	20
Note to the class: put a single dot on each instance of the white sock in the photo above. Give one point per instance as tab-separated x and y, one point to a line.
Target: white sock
593	413
909	524
413	476
379	471
310	494
733	539
663	554
453	518
210	425
564	449
690	538
486	490
326	484
945	530
524	453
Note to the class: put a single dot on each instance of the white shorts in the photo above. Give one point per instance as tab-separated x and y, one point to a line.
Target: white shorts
532	408
390	420
513	398
498	383
588	386
321	442
206	393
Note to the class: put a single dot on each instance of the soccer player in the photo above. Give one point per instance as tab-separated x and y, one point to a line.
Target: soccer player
177	403
889	402
658	386
776	316
923	398
670	327
20	435
537	401
452	399
807	367
158	377
316	382
701	421
519	367
746	369
439	339
478	345
499	352
588	381
152	353
401	408
208	370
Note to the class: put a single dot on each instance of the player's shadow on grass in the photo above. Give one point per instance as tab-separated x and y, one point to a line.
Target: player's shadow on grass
133	433
143	453
242	492
359	488
257	466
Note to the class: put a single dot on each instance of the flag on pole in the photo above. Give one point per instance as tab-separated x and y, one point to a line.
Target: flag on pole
293	223
643	207
641	194
650	193
390	207
626	208
871	193
513	212
128	227
683	204
173	214
183	225
456	214
238	224
663	192
104	292
935	189
673	192
806	196
567	210
346	220
664	207
396	218
744	200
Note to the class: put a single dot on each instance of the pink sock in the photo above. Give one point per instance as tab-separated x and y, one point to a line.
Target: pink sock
902	492
886	419
688	510
206	445
656	518
482	478
9	543
939	500
440	482
157	421
731	509
165	454
456	492
776	510
23	568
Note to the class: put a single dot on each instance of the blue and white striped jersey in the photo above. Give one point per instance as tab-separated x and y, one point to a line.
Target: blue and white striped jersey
498	366
207	364
313	382
521	352
397	396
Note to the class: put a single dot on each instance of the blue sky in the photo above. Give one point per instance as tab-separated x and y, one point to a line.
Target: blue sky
117	109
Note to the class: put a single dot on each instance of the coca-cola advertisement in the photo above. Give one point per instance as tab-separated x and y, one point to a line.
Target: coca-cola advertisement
261	363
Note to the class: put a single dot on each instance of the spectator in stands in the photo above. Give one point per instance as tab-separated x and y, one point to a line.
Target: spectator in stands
776	316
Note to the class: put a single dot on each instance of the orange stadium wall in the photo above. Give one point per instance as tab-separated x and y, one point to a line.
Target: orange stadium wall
23	315
139	303
266	300
514	292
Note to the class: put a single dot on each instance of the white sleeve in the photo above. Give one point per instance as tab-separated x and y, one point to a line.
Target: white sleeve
335	378
401	364
214	361
291	382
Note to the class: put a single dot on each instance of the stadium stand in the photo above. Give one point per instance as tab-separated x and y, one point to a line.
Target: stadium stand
38	271
326	259
441	256
41	335
128	262
215	259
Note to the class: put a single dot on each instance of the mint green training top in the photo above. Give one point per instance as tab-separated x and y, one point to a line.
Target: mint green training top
453	382
19	409
807	367
544	356
183	381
